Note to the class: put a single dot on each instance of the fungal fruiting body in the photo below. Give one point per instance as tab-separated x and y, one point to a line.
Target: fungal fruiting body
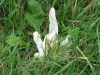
66	42
51	38
53	28
39	43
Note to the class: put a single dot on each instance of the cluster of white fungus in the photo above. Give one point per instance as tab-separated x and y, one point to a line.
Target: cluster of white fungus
50	38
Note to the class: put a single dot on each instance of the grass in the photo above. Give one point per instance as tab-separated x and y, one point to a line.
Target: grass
79	18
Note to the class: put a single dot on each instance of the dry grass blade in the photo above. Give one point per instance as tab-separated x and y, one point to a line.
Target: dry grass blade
85	58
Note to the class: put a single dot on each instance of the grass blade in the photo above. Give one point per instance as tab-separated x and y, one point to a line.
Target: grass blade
85	58
64	68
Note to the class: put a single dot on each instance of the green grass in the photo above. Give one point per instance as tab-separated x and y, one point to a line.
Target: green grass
79	18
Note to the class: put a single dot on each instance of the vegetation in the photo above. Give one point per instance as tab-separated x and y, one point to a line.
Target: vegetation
78	18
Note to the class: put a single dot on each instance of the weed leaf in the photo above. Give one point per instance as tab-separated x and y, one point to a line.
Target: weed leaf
34	14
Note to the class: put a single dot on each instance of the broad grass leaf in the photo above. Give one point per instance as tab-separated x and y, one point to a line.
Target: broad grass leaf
34	14
12	40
